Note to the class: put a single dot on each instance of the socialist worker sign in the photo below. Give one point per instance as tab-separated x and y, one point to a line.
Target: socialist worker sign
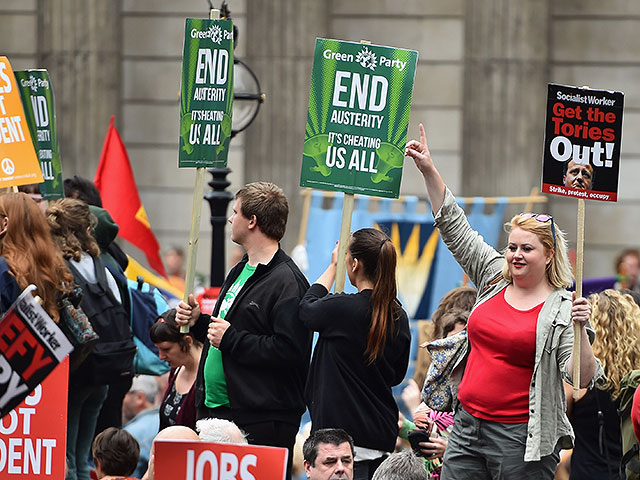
582	143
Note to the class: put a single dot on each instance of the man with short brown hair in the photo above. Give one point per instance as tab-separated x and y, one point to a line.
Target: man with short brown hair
254	370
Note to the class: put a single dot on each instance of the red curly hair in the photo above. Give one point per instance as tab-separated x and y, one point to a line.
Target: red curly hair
32	255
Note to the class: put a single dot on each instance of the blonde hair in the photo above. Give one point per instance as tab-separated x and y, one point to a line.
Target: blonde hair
615	317
559	268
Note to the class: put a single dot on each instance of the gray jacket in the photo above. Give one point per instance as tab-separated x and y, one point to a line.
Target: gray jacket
548	424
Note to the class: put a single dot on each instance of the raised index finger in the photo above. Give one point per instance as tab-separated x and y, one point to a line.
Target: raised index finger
423	135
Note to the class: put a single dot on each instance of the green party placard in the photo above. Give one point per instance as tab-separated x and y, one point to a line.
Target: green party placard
359	105
36	94
206	94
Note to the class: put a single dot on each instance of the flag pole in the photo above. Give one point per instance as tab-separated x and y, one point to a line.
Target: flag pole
194	233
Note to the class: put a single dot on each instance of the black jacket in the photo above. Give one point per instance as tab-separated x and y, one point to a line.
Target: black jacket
266	350
343	389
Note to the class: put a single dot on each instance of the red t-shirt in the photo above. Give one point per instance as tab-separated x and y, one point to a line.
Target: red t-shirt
496	380
635	413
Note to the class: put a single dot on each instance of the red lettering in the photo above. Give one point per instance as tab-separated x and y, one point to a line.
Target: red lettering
39	361
608	134
595	133
558	109
24	339
9	328
557	123
610	117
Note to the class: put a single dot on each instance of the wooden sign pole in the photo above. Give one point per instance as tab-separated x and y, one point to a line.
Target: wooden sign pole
196	213
577	330
345	231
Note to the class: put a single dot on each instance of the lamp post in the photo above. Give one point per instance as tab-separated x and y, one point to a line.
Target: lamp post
247	98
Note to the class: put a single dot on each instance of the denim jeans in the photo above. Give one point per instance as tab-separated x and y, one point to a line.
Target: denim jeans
84	406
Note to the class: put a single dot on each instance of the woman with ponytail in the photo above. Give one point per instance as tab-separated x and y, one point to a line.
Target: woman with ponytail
362	349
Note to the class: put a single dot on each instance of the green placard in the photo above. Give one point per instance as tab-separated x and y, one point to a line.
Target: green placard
36	94
358	117
206	95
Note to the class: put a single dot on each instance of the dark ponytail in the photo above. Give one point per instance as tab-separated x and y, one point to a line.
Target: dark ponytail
375	251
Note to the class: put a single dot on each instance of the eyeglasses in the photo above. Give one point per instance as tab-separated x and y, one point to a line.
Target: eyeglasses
544	218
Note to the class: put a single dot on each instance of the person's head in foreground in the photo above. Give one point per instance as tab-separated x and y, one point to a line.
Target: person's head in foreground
536	252
401	466
115	453
220	431
578	176
328	455
174	432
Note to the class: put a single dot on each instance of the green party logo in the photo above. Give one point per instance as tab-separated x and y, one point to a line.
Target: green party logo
367	59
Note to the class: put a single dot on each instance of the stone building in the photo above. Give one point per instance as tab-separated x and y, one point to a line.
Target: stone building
480	89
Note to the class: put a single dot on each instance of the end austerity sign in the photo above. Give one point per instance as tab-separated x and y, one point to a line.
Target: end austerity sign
358	116
206	96
37	99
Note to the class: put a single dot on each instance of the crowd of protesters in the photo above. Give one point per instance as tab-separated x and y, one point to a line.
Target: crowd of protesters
246	374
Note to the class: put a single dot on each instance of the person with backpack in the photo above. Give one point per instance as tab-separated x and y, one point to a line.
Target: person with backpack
598	448
71	224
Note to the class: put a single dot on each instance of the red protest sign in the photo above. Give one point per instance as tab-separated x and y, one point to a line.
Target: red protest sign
31	346
217	461
33	435
582	143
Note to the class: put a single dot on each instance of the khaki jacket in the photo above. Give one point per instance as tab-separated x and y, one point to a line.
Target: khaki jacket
548	424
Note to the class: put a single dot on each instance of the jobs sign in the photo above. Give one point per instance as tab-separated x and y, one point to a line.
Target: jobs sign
217	461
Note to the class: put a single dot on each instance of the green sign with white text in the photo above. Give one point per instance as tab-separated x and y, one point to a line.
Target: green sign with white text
359	105
206	94
36	94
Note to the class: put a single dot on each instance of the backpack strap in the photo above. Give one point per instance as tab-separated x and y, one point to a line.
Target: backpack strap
631	454
101	275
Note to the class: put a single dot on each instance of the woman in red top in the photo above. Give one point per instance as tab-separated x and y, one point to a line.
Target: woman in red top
510	419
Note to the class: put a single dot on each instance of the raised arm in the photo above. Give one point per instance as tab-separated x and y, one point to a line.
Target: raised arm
419	151
477	258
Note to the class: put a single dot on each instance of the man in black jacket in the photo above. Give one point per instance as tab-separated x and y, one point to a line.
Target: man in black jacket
255	367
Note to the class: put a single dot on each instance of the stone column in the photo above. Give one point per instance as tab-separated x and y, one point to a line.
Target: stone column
80	44
280	39
505	89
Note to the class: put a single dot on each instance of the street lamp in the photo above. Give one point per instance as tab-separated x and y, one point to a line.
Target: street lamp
247	97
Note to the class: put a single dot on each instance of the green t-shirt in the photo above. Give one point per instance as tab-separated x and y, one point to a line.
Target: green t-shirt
215	385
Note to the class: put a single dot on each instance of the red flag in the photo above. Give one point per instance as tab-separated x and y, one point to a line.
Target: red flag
114	179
